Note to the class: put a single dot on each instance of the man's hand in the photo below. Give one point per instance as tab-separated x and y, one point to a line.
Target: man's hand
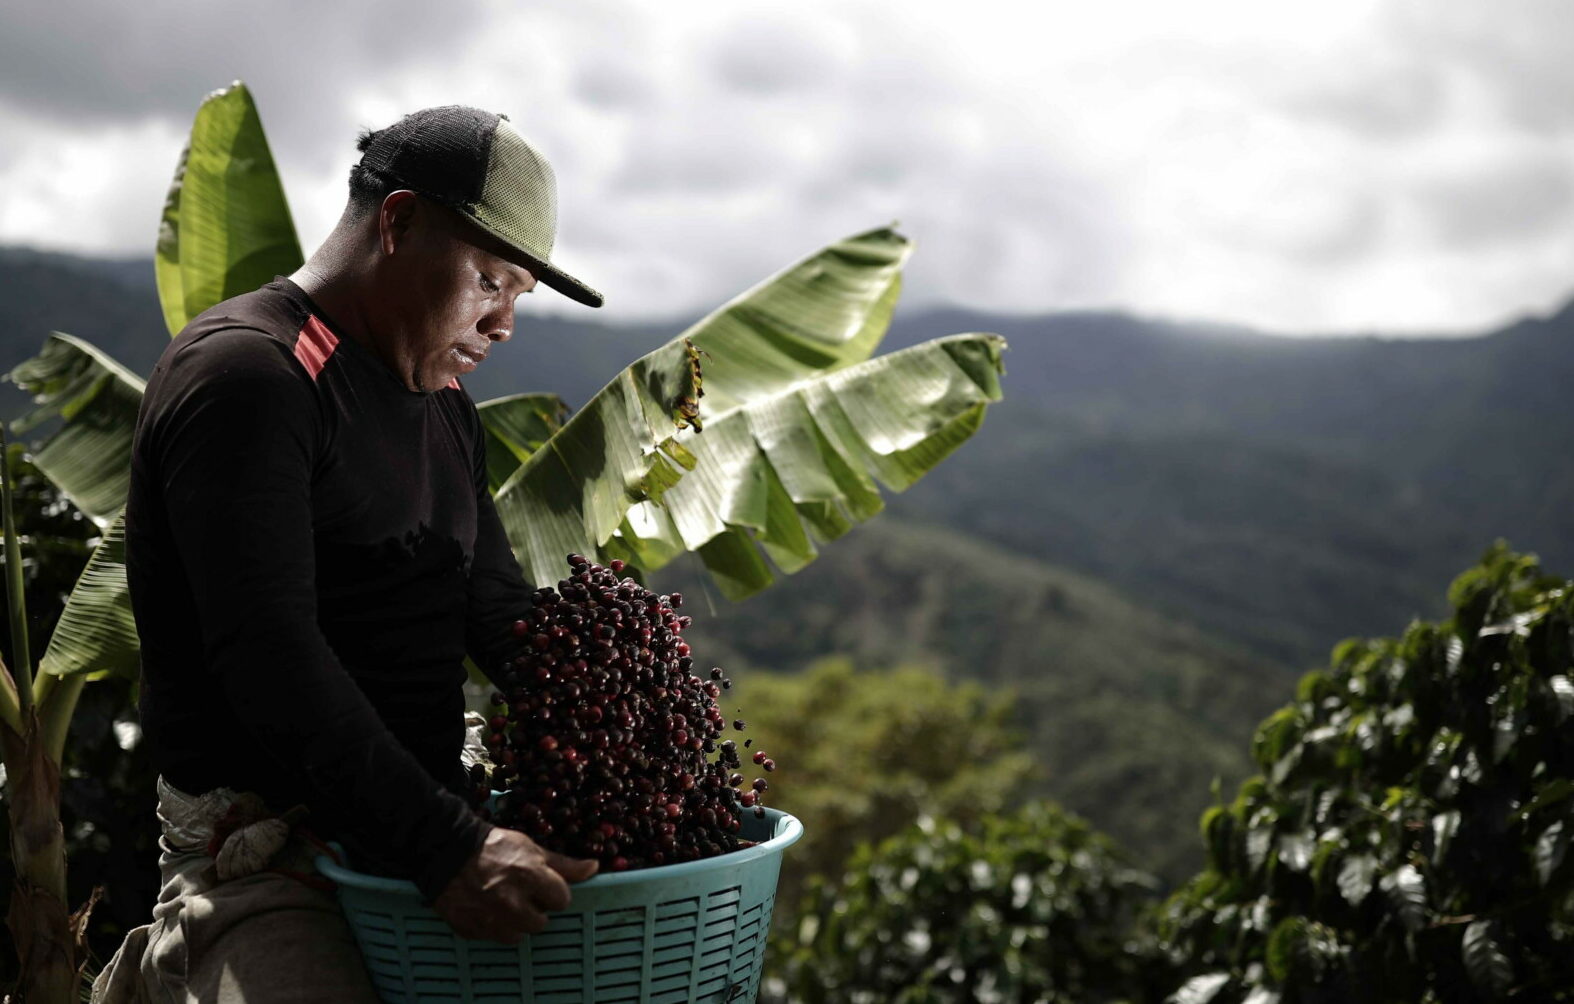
505	890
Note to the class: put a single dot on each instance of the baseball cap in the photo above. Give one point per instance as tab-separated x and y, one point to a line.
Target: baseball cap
477	163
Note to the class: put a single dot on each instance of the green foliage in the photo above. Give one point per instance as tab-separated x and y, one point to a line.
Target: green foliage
97	400
107	809
1033	906
797	426
863	754
1129	713
56	541
1408	837
516	426
226	227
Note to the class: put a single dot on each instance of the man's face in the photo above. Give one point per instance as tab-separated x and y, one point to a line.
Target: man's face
451	292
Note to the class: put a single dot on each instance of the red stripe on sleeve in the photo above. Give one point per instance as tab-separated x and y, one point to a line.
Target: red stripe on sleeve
314	345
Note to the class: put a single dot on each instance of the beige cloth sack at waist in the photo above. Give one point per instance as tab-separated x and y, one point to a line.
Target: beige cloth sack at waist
254	925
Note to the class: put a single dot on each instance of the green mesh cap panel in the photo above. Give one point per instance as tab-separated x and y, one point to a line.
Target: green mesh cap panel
519	205
519	199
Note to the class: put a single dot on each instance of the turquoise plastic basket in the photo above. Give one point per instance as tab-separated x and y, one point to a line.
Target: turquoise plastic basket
690	932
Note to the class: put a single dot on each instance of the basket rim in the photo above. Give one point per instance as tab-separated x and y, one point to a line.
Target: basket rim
787	826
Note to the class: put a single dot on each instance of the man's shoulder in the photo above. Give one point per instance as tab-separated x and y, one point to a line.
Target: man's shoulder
259	331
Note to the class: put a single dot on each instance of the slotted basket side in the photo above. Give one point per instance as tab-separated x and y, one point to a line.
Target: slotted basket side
669	935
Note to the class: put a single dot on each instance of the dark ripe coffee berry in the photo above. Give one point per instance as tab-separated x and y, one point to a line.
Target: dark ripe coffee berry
611	731
616	564
675	600
768	764
739	724
521	628
759	756
759	784
759	812
748	798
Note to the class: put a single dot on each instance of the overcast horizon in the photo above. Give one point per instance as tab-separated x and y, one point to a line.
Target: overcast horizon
1366	167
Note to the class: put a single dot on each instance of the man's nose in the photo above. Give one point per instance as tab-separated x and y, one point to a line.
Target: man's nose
498	326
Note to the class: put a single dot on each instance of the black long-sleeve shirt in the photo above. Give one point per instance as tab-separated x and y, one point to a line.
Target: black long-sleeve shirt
311	551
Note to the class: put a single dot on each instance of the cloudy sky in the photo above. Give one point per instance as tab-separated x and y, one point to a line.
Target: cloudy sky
1401	166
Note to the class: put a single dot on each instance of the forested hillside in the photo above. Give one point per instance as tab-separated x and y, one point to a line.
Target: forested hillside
1286	493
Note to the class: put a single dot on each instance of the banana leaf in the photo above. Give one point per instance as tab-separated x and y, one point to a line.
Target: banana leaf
795	446
96	635
827	311
802	464
516	426
89	457
614	452
226	228
823	313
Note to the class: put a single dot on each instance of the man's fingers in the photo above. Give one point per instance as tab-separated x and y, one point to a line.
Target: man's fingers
550	891
532	921
505	927
573	869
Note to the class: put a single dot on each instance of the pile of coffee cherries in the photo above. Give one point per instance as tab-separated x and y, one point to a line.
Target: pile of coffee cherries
610	746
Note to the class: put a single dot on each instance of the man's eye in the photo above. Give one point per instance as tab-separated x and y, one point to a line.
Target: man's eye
488	284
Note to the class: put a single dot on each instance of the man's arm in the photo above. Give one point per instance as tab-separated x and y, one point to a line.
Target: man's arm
234	456
498	592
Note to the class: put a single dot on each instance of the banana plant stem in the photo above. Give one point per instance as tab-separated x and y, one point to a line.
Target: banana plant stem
10	704
16	601
56	700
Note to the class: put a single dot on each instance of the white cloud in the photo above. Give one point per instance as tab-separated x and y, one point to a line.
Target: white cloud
1350	165
86	191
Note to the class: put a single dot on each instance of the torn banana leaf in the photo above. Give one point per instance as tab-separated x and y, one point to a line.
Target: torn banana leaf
97	399
777	473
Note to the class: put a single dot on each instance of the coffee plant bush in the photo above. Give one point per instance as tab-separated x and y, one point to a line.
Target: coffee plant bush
871	750
1408	837
1028	906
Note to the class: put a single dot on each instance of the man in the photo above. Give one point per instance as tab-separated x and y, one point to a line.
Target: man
312	550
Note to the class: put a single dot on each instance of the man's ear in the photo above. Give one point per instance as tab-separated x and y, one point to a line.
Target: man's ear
396	219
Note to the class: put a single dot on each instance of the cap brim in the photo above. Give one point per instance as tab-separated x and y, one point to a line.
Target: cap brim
544	271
